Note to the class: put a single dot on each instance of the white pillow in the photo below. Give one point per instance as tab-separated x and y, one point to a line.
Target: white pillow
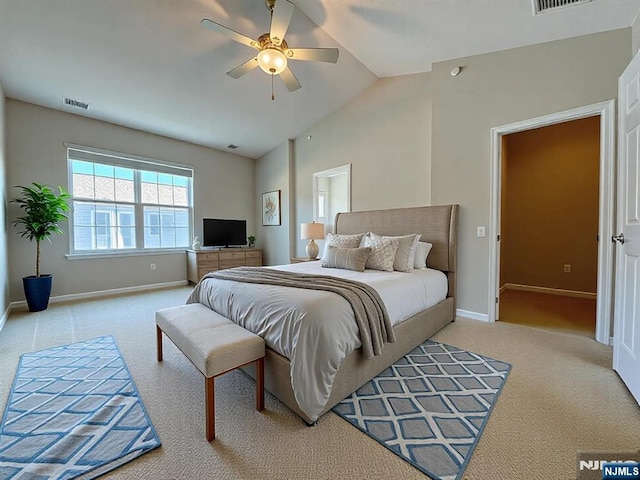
363	240
422	252
412	252
406	252
383	252
342	241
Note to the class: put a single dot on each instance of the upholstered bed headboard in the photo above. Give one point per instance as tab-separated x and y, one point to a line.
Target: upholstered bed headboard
437	224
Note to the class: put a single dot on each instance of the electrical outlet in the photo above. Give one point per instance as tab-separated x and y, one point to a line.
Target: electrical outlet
152	266
567	268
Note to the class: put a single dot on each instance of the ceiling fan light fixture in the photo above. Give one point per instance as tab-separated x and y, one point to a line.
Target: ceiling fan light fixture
272	61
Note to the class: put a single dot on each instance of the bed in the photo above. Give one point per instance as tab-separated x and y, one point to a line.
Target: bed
286	368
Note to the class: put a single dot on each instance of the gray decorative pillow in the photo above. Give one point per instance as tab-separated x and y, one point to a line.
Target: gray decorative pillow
342	241
406	253
383	252
347	258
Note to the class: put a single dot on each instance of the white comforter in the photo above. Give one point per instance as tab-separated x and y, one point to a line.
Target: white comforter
315	330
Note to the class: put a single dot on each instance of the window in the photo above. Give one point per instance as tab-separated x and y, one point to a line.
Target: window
123	203
322	204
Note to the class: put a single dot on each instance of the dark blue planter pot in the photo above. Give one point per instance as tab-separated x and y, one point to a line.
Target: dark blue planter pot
37	291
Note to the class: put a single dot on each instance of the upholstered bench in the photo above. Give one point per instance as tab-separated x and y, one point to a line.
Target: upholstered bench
215	345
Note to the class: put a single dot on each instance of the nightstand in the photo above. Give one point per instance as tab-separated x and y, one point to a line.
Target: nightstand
302	259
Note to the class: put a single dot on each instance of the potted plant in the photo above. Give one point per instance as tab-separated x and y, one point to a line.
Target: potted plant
42	211
252	241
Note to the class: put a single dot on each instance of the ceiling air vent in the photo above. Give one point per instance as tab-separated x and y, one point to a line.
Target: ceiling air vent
75	103
232	146
540	6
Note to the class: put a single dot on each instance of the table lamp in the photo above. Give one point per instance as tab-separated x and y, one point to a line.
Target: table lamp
311	232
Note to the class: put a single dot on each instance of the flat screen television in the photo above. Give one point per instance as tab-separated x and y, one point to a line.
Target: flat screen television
219	232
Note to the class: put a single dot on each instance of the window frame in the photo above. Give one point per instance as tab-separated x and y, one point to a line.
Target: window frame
137	164
98	236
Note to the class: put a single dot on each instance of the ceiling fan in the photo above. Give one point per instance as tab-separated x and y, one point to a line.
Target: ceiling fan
273	51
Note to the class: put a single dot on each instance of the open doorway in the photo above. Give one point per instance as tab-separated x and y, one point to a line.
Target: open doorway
549	226
331	195
604	111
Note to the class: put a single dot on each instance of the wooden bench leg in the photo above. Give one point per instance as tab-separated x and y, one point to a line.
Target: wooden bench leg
159	342
260	384
210	407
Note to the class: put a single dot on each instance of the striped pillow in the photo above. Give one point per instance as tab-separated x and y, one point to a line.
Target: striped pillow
346	258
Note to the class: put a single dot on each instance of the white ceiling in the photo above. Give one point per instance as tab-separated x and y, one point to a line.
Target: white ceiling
148	64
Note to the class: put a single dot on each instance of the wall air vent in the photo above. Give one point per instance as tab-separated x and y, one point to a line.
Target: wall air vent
231	146
75	103
541	6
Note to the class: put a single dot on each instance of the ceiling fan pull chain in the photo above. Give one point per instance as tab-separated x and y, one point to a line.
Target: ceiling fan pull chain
273	97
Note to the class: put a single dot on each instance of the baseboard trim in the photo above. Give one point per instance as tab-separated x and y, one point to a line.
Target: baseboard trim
5	316
483	317
550	291
104	293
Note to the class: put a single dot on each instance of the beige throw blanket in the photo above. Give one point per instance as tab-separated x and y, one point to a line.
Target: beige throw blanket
368	309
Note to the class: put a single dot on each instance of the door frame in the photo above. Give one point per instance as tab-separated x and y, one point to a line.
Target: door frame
331	172
604	294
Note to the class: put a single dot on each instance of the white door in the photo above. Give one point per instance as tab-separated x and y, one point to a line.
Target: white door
626	335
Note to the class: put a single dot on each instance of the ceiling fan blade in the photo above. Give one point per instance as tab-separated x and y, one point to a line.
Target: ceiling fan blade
329	55
280	19
244	68
290	80
232	34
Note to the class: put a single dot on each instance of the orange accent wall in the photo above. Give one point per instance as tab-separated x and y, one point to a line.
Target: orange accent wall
549	211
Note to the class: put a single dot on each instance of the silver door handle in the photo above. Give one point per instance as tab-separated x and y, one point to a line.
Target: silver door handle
618	238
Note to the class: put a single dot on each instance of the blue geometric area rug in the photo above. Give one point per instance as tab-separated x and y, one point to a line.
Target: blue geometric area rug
430	407
73	412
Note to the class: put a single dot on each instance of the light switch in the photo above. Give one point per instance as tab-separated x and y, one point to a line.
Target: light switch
481	232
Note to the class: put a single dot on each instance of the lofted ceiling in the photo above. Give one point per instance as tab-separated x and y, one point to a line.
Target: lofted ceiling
149	65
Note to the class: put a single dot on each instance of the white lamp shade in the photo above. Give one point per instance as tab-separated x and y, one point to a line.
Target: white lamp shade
312	230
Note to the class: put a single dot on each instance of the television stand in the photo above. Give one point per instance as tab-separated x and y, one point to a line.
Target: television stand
201	262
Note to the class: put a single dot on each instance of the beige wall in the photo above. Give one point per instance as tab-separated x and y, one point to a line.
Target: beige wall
498	89
635	32
224	187
272	173
338	193
550	192
425	139
385	134
4	262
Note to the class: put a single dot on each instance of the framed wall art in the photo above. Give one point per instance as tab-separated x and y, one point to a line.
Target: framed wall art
271	208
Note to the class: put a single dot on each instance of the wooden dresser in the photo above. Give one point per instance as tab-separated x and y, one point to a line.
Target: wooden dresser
200	262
